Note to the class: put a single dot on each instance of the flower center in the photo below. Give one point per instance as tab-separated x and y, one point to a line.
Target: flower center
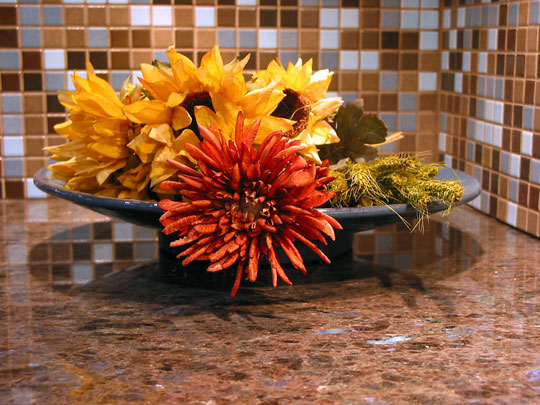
189	104
294	106
248	209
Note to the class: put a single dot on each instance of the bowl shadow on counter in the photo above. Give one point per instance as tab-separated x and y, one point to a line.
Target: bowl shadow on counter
440	252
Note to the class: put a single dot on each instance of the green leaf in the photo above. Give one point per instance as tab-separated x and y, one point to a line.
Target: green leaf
355	131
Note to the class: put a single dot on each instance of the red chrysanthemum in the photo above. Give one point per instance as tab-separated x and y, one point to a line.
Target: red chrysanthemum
244	201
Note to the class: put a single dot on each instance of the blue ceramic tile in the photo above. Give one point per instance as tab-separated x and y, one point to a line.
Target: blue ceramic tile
349	60
11	103
390	19
118	78
103	252
407	101
288	39
404	261
138	1
389	81
390	120
429	40
470	128
513	189
227	38
534	11
505	162
429	4
288	56
407	122
205	17
349	96
142	233
528	117
485	16
409	19
468	17
13	167
23	1
443	122
98	38
82	273
481	105
329	60
329	3
491	87
31	37
467	39
329	39
54	59
29	15
122	231
494	15
535	171
248	39
12	125
144	251
429	19
389	147
52	15
307	3
410	3
390	3
484	205
247	2
55	81
32	191
369	60
81	233
470	151
329	18
13	145
268	39
140	15
384	243
513	14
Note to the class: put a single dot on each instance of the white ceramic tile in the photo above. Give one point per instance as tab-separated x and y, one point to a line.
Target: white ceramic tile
349	18
479	130
461	17
162	16
429	40
489	110
13	146
429	4
447	18
497	136
246	2
498	112
268	39
369	60
427	81
445	60
448	160
140	15
515	162
409	19
488	133
458	82
466	61
410	3
122	231
103	252
452	39
329	39
526	143
511	213
32	191
442	142
54	59
205	17
329	18
349	60
482	62
82	273
429	19
492	39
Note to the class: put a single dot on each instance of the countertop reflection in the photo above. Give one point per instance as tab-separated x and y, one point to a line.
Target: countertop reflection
451	315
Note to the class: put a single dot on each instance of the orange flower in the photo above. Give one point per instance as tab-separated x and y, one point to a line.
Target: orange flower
244	202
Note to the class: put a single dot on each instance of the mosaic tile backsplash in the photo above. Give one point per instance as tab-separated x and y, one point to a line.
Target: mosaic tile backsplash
457	77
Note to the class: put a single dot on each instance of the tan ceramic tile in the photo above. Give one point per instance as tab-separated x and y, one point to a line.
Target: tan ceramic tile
206	39
53	38
163	38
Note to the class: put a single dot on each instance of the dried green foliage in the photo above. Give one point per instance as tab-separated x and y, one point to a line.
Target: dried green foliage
393	179
357	132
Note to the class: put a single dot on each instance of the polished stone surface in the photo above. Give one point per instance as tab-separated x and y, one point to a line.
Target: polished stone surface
448	316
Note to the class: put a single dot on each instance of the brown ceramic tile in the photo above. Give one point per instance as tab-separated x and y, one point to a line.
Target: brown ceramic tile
14	189
309	18
226	17
350	39
351	80
76	38
11	82
184	38
268	18
140	38
163	38
32	82
76	59
75	16
119	16
309	39
53	106
119	38
8	15
97	15
247	18
8	38
409	61
31	60
370	40
33	103
389	60
370	18
206	38
289	18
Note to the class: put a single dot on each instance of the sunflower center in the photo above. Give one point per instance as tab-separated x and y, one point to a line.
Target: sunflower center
296	107
193	100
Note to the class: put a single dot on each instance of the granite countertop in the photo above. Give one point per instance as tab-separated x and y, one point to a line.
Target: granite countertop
448	316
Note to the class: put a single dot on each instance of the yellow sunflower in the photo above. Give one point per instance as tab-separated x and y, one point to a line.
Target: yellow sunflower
98	134
304	102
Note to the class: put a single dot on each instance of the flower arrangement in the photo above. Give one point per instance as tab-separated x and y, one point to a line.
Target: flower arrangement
238	165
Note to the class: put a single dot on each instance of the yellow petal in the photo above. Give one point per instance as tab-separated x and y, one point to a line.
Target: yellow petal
326	106
157	82
104	173
175	99
180	118
318	85
162	133
179	144
148	112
